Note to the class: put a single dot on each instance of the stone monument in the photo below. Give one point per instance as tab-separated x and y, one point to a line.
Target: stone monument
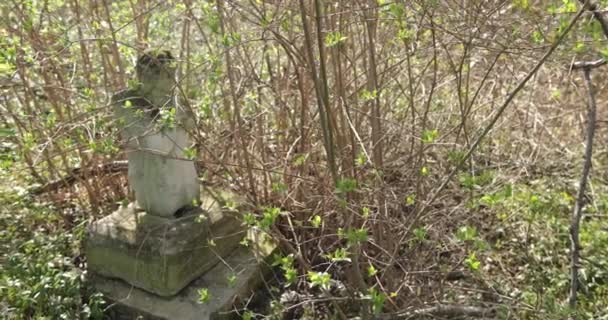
154	126
153	256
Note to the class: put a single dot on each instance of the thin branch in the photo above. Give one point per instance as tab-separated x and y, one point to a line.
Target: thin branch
597	14
502	109
78	174
589	64
244	154
448	311
580	198
327	140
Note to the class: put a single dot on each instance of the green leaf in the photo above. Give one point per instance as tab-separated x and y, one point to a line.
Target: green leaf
355	236
367	95
248	315
316	221
424	171
466	233
249	219
473	181
346	185
420	234
245	242
291	275
396	9
203	295
405	34
521	4
378	299
133	84
568	6
269	217
231	280
167	117
333	39
429	136
341	254
579	47
286	263
365	212
190	153
319	279
231	39
213	22
5	68
538	37
472	262
410	200
361	159
371	271
556	94
604	53
300	160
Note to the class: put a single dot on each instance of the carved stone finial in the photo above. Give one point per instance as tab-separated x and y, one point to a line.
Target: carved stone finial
155	71
153	63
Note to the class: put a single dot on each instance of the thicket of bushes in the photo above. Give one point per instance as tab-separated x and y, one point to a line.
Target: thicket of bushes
341	121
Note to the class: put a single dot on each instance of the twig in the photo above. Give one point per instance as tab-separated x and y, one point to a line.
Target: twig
243	153
597	14
589	64
591	115
499	112
451	311
319	88
448	311
80	174
577	212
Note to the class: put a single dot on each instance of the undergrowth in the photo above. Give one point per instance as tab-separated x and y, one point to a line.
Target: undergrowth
40	275
527	257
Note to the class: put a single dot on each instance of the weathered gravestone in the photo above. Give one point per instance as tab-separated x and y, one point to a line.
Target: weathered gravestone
153	255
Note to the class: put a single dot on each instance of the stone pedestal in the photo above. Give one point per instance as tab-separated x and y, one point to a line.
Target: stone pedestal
230	282
149	267
161	255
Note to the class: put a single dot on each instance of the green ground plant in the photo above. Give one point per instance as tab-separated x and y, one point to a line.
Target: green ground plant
531	241
40	277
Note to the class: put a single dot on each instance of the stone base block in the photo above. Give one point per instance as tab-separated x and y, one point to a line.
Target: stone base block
227	283
161	255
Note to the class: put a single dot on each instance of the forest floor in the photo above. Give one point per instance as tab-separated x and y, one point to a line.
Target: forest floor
501	245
